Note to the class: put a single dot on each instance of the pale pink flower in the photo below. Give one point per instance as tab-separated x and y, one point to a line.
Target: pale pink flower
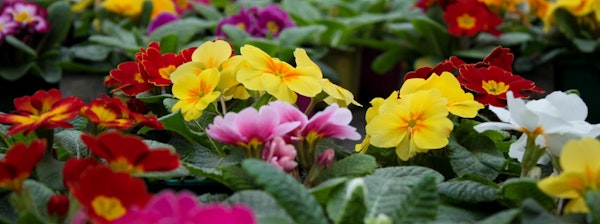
183	207
249	127
332	122
30	16
7	26
280	154
289	113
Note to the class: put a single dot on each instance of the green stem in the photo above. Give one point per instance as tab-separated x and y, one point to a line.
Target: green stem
214	145
531	156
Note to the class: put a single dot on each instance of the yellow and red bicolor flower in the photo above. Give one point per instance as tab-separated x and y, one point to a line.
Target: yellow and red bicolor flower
106	195
110	112
160	66
128	153
44	109
467	18
19	161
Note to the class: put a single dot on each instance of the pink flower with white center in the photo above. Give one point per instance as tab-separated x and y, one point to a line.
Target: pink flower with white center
29	15
183	207
280	154
7	26
250	129
333	122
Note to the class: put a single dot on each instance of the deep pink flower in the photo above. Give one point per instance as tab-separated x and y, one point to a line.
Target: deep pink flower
326	158
290	113
7	26
332	122
249	128
160	20
29	16
280	154
272	20
183	207
243	20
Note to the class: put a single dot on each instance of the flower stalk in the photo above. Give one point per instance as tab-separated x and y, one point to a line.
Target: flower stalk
531	157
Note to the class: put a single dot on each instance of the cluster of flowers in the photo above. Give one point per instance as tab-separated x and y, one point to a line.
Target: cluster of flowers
258	22
428	127
89	176
22	19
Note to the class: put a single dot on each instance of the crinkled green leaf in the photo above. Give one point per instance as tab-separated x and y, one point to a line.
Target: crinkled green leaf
355	165
452	214
287	191
534	213
408	174
519	189
265	207
467	191
70	141
322	191
346	203
49	172
40	195
503	217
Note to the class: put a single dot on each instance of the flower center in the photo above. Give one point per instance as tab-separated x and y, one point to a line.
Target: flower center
166	71
466	21
109	208
272	27
495	88
123	165
241	26
23	17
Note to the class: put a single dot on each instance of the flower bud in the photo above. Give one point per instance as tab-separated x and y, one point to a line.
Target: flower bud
326	158
58	205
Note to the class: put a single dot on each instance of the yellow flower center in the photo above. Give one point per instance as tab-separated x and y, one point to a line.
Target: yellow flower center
495	88
182	3
166	71
241	26
23	17
272	27
15	184
123	165
1	27
466	21
109	208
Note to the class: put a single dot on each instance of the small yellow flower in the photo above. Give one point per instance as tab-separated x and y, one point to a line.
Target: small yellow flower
279	78
195	93
581	172
460	103
159	6
337	94
417	123
211	54
129	8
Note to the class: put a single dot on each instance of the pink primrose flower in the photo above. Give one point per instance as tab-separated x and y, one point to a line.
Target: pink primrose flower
7	26
332	122
280	154
272	20
160	20
29	16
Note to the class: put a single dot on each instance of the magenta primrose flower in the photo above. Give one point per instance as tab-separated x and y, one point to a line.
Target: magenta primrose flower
243	20
29	16
183	207
7	26
280	154
272	20
160	20
332	122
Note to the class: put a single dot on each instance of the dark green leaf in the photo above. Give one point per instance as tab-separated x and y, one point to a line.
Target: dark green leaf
264	205
355	165
503	217
467	191
592	199
566	22
533	213
175	122
208	11
519	189
289	194
322	191
60	19
28	217
293	37
146	15
514	38
10	39
586	46
346	203
408	174
93	52
14	73
70	141
165	175
386	61
185	29
434	34
168	44
149	98
451	214
113	42
235	35
301	9
49	172
50	70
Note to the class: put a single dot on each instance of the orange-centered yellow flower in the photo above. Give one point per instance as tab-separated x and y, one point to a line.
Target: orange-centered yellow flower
581	172
279	78
417	123
195	93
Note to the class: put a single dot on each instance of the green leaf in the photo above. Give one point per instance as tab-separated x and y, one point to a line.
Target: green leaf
519	189
467	191
503	217
566	23
265	207
50	70
113	42
592	199
237	36
149	98
49	172
10	39
514	38
39	195
92	52
386	61
301	10
586	46
476	53
60	19
408	174
293	37
268	46
289	194
232	176
533	213
355	165
145	16
28	217
434	35
13	73
212	198
70	141
452	214
168	44
322	191
209	12
185	29
175	122
346	203
181	171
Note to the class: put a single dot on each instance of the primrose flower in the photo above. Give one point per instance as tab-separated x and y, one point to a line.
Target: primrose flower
371	113
183	207
44	109
337	94
279	78
129	77
58	205
162	6
244	20
161	20
416	123
131	154
209	55
29	16
106	195
74	167
557	116
19	161
250	129
129	8
280	154
580	173
332	122
272	20
111	112
492	83
7	26
158	66
231	87
195	93
467	18
460	103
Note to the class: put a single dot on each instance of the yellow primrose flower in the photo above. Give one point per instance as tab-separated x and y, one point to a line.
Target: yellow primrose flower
129	8
581	172
228	82
372	112
159	6
195	93
211	54
337	94
279	78
460	103
417	123
577	8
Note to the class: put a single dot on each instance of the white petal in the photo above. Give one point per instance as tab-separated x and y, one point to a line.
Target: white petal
517	149
501	113
571	106
494	126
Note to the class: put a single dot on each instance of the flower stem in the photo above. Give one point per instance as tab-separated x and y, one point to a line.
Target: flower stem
531	156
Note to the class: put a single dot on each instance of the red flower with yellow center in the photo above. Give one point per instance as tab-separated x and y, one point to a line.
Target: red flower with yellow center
128	153
107	195
469	17
74	167
44	109
110	112
130	78
493	82
18	163
160	66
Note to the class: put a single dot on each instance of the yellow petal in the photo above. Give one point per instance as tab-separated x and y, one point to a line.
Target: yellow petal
577	205
581	156
434	135
276	87
304	85
251	78
364	145
256	57
305	65
184	86
194	68
209	79
411	86
387	130
374	109
566	185
212	54
403	150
